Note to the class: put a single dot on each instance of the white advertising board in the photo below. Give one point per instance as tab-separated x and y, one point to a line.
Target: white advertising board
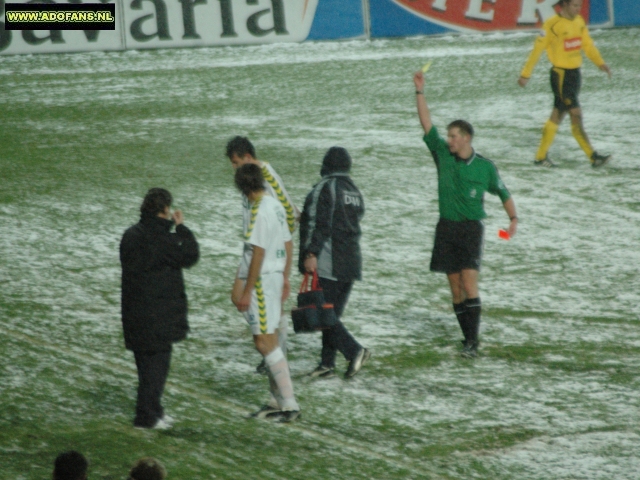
173	24
190	23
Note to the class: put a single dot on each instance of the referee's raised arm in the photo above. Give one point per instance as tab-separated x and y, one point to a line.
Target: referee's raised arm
421	102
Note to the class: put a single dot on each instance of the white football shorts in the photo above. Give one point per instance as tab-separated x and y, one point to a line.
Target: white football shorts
265	309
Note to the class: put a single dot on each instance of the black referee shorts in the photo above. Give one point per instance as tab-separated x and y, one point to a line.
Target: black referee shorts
565	84
458	246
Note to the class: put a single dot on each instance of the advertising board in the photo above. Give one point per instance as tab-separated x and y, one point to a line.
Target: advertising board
423	17
144	24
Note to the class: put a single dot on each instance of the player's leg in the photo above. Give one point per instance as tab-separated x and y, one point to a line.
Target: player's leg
279	376
236	293
550	128
266	311
469	283
557	116
467	306
570	91
549	131
472	303
455	284
257	320
445	258
470	253
282	341
579	133
266	344
577	129
458	297
458	300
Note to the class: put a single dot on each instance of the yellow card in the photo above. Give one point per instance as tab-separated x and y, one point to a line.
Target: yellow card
426	67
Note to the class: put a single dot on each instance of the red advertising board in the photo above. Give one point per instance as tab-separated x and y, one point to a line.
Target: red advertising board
486	15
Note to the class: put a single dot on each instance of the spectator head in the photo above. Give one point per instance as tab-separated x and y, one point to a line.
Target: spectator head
156	201
249	179
70	465
147	469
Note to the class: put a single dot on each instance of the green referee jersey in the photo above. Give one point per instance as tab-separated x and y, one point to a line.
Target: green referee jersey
461	184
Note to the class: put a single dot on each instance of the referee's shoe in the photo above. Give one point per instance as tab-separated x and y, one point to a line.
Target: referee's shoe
470	349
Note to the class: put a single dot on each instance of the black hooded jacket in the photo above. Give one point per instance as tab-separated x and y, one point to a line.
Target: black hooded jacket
154	302
330	221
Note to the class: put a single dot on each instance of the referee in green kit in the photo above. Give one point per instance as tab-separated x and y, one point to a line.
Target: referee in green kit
463	177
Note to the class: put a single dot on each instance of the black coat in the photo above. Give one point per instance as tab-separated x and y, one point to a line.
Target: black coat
154	302
330	228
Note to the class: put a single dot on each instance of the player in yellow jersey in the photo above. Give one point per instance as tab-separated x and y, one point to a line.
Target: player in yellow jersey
564	37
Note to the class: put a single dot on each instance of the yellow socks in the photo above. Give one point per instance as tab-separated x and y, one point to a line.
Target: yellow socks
580	135
548	134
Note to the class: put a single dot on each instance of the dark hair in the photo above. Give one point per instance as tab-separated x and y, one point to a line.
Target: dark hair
240	146
155	201
249	178
70	465
147	468
462	125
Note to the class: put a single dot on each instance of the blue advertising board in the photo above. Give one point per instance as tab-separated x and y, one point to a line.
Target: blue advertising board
626	13
337	19
398	18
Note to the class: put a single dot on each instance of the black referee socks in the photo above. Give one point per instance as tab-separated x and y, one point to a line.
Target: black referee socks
473	308
460	310
468	314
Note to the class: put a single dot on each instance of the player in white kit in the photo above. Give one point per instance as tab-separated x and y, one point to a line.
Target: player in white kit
258	290
241	151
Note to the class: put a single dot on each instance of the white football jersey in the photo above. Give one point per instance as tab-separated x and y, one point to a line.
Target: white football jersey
265	226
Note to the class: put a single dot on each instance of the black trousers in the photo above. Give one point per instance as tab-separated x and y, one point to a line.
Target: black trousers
153	369
337	338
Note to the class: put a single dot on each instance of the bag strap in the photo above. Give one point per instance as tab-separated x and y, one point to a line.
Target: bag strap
315	283
304	283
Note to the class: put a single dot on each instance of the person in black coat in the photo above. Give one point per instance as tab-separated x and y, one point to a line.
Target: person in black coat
154	302
330	244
